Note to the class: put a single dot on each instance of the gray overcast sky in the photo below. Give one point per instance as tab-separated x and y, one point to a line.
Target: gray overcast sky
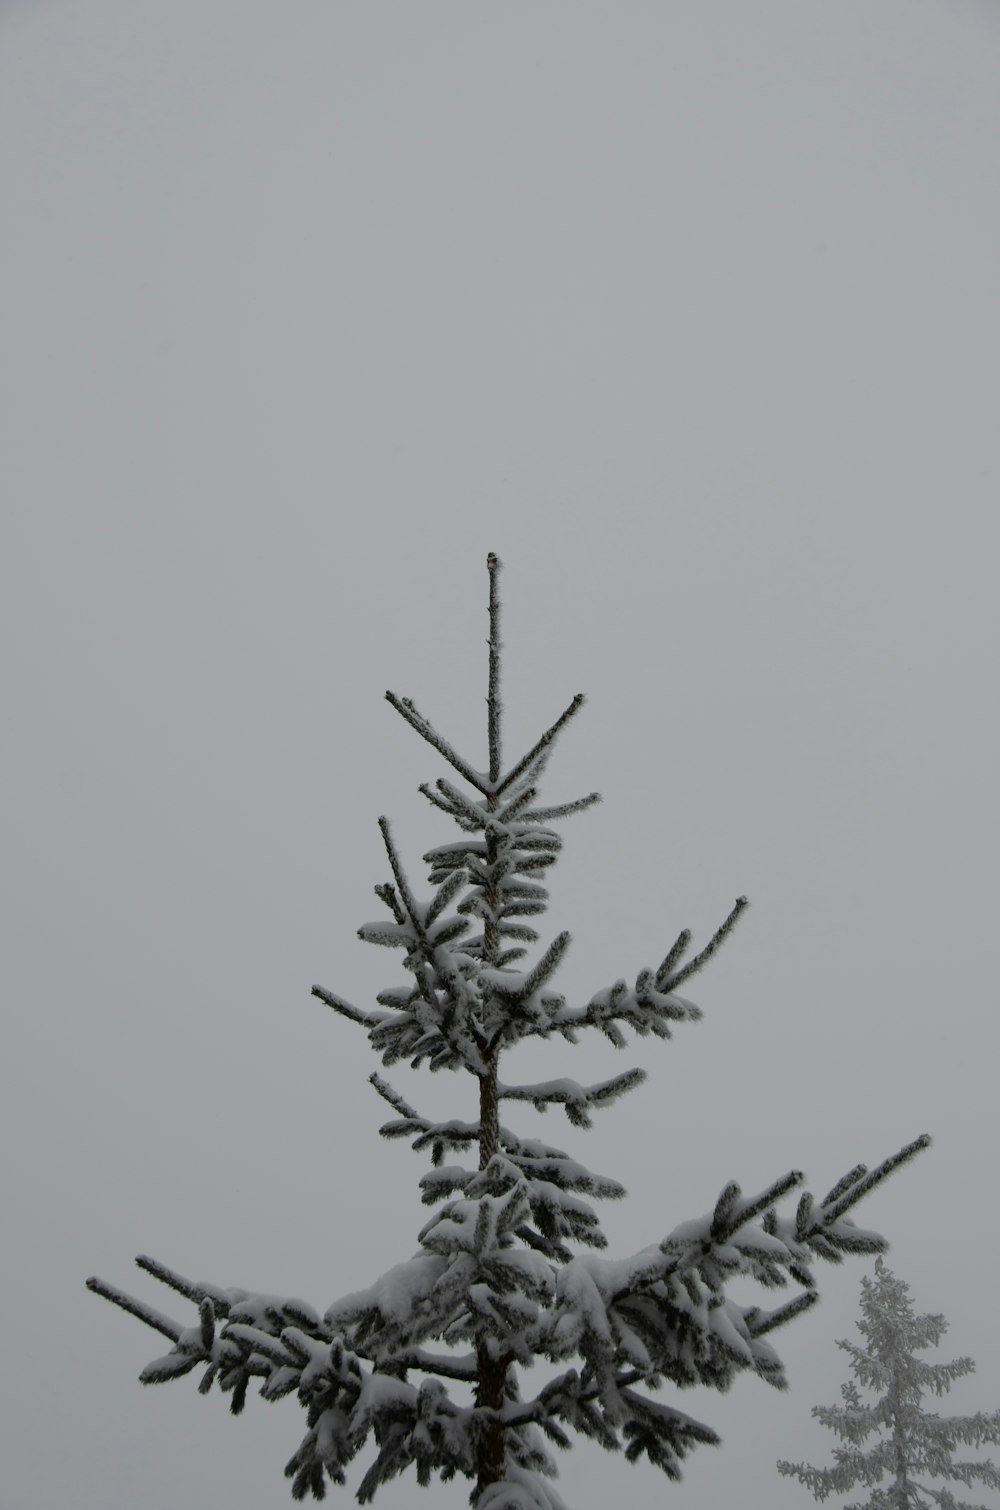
690	311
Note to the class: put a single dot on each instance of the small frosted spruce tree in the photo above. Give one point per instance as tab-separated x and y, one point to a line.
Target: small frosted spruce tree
427	1360
911	1444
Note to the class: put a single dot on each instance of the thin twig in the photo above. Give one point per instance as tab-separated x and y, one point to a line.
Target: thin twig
540	747
562	809
857	1191
395	1100
674	958
409	901
784	1314
404	706
717	939
366	1019
152	1318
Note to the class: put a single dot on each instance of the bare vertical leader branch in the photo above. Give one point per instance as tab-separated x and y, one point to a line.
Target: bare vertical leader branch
493	686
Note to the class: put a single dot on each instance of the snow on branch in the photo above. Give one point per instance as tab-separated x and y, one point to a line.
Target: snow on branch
396	1101
575	1099
759	1323
562	809
468	814
437	1135
847	1196
152	1318
426	730
511	1270
664	1313
540	747
516	987
645	1009
436	800
672	978
366	1019
653	1004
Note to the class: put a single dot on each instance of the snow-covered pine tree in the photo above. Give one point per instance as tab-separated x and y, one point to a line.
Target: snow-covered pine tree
428	1360
911	1444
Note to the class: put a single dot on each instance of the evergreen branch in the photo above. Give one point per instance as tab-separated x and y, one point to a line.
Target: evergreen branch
759	1323
571	1094
722	1215
444	807
257	1341
717	940
515	808
402	884
396	1101
844	1183
153	1318
461	1042
448	889
175	1281
860	1188
746	1211
442	1364
562	809
540	747
173	1366
453	1134
646	1009
366	1019
206	1318
386	894
435	1024
673	958
405	707
519	988
463	807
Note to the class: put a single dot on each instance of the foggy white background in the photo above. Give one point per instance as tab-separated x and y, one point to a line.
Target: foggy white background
691	312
